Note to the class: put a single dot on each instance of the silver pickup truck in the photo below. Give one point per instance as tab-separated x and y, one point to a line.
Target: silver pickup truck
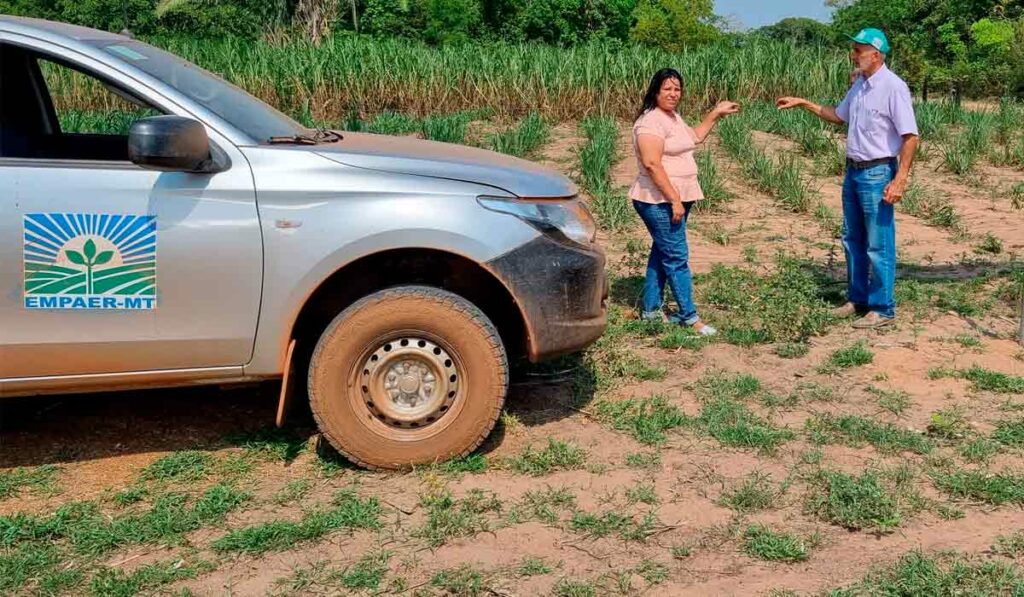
215	240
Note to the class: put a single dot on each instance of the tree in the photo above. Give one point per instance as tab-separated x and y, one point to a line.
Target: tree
969	45
449	21
563	22
800	30
675	24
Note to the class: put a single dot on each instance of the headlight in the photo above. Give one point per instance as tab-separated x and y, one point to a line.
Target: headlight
566	218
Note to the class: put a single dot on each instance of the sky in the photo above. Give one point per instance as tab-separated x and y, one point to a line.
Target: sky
750	14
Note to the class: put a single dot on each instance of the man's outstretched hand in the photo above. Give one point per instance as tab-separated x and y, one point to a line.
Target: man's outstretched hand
785	103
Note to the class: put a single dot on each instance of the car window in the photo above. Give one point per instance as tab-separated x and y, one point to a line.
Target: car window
232	104
85	105
51	111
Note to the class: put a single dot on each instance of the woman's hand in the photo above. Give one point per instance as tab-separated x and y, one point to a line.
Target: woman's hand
725	109
678	211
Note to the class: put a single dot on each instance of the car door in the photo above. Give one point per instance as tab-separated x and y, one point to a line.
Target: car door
105	267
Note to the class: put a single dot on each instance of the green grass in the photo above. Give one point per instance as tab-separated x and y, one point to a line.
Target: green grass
809	391
731	422
949	425
967	340
626	527
852	430
1011	546
1010	432
643	460
366	574
736	386
598	155
854	355
105	122
524	139
556	456
642	493
992	488
959	157
734	424
989	245
347	512
785	304
449	518
894	401
38	564
271	444
1017	190
978	450
574	588
110	582
545	505
680	552
464	580
683	337
756	492
394	123
947	575
854	503
92	532
645	419
934	208
473	463
780	177
449	128
377	74
531	566
984	380
763	543
293	491
39	478
653	572
792	350
716	195
184	466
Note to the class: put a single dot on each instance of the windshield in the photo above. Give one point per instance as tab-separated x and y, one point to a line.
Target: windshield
243	111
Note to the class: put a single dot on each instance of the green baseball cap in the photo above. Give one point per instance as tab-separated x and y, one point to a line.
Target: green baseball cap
872	37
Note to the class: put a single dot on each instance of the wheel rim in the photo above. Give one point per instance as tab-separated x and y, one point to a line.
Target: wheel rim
409	383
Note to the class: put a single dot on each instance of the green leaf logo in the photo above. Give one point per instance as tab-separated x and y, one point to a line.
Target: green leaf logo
75	257
90	259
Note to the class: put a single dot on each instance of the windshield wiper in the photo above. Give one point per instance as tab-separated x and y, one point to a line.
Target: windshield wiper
318	136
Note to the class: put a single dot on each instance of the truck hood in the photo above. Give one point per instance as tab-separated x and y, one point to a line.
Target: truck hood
406	155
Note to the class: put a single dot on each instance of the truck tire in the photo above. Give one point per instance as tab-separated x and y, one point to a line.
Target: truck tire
408	375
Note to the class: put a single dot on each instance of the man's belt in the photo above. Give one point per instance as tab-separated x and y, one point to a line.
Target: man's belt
852	163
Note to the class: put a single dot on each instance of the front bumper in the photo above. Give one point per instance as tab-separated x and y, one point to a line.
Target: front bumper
562	292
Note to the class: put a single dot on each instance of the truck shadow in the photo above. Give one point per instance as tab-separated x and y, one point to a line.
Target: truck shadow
78	428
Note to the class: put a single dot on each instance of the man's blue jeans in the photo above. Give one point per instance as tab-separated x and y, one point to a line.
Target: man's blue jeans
668	263
869	239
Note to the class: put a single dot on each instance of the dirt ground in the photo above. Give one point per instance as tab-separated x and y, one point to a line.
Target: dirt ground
670	525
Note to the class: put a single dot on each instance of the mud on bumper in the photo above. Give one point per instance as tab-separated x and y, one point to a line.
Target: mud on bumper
562	291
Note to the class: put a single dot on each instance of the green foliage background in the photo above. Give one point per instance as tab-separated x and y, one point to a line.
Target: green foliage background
975	47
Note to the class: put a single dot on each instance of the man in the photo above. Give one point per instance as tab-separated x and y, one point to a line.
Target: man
880	147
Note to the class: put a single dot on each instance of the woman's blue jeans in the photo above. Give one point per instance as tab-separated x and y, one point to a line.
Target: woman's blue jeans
668	263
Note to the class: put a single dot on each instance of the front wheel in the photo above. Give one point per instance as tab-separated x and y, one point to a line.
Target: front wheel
408	375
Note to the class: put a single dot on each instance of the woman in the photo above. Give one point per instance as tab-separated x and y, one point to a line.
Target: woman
666	189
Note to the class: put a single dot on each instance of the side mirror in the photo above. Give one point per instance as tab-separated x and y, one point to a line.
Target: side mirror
170	144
